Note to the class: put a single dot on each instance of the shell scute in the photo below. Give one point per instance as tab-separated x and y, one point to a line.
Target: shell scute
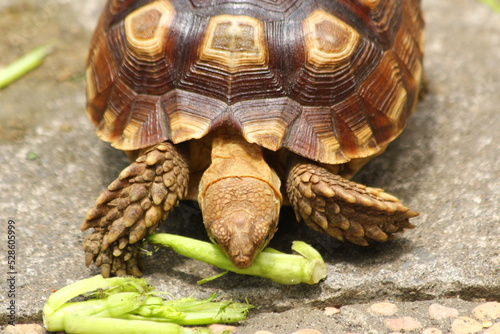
332	80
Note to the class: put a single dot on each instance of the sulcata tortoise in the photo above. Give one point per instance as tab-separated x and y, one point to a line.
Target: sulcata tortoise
246	105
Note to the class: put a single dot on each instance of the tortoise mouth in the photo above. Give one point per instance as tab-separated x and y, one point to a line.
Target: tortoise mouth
243	261
234	253
236	237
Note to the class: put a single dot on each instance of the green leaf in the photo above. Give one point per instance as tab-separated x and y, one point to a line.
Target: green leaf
211	278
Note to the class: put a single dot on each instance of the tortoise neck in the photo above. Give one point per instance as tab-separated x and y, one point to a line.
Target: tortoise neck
233	156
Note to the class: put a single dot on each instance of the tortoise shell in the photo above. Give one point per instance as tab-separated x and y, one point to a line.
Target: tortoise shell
330	80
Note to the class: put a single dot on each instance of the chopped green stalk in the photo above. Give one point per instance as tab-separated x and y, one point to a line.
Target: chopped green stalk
56	320
56	308
69	292
280	267
219	312
315	265
197	318
110	307
92	325
23	65
124	305
160	312
189	311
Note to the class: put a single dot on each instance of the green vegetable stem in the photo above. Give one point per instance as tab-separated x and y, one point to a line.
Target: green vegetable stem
128	305
308	267
23	65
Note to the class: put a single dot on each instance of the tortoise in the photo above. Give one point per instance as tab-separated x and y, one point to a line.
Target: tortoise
245	106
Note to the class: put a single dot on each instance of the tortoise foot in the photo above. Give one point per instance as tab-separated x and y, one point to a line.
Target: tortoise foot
344	209
132	207
112	260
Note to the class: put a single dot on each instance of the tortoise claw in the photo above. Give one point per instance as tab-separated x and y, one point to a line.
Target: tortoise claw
344	209
106	270
132	207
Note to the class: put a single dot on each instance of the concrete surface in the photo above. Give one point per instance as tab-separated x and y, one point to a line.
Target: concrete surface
445	165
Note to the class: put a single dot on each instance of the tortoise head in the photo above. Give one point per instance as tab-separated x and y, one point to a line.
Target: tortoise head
241	215
239	196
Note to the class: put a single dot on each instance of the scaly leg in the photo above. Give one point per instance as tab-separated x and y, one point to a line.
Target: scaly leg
132	207
344	209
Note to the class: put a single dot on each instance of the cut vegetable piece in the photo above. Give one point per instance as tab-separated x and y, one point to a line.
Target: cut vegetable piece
125	305
23	65
308	267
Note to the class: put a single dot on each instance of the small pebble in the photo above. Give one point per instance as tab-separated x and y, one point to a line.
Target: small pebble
466	325
403	324
331	310
487	312
66	127
219	329
438	311
495	329
263	332
25	329
384	308
65	74
432	331
307	331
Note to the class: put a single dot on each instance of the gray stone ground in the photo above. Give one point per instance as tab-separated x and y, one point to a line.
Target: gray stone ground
445	165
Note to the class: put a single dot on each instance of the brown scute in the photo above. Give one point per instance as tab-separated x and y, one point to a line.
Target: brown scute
387	28
146	23
117	6
189	114
353	127
101	74
266	6
327	29
344	100
266	129
226	41
119	109
384	96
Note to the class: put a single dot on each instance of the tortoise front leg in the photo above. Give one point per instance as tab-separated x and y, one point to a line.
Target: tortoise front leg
132	207
344	209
